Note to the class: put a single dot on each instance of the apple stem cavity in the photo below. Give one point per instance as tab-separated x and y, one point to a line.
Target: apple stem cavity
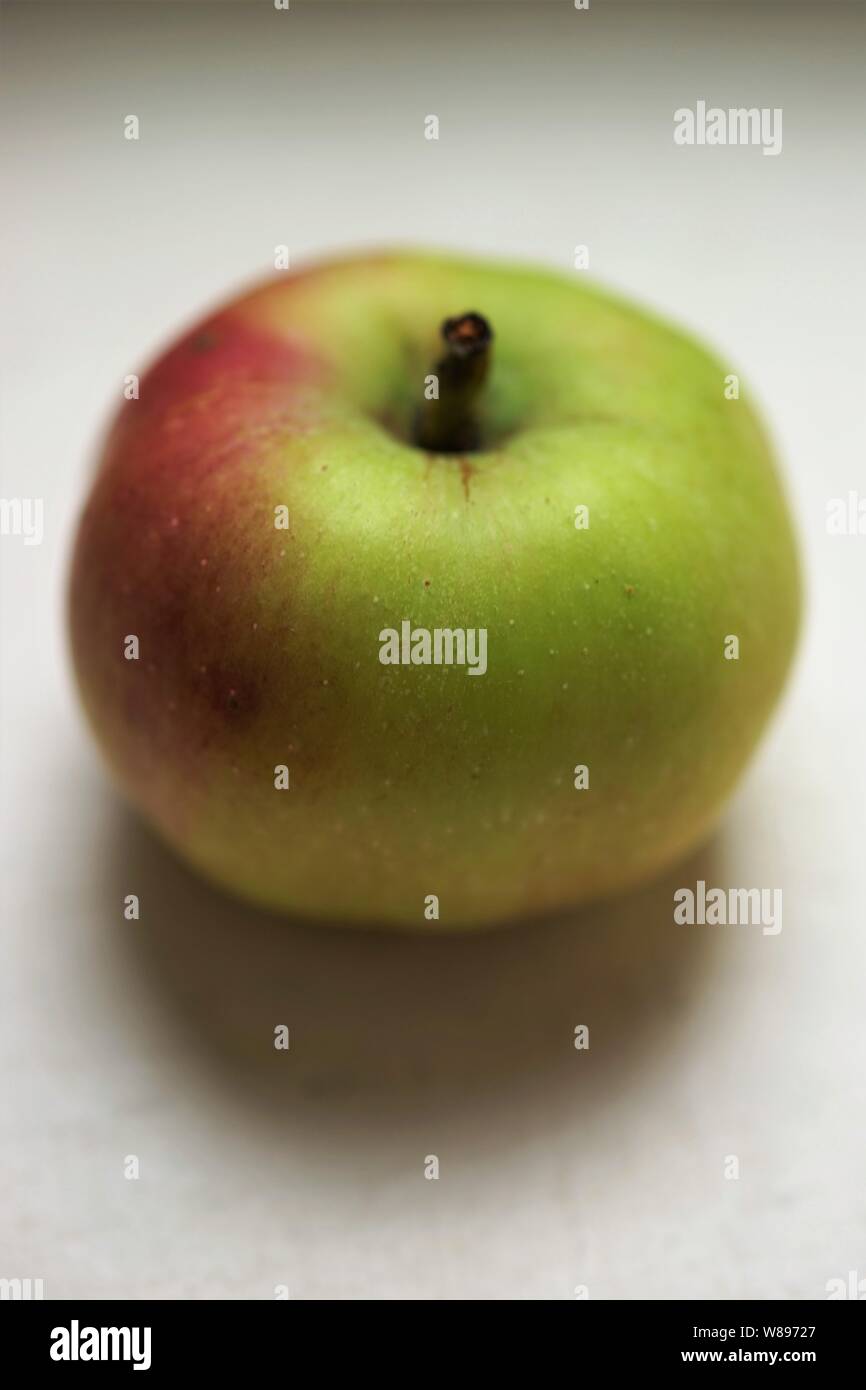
450	423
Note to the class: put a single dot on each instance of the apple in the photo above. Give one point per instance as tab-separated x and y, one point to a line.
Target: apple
320	509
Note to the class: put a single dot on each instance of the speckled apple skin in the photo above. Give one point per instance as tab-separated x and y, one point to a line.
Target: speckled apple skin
259	646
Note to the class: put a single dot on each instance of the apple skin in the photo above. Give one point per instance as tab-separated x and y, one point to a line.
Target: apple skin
259	646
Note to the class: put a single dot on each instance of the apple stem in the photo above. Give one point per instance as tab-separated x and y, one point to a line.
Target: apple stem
450	424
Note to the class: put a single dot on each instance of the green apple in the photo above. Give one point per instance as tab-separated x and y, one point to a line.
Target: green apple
289	535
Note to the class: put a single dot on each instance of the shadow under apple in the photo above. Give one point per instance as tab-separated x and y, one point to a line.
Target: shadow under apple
386	1024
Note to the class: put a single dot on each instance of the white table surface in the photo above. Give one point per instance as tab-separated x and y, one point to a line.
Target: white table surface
558	1168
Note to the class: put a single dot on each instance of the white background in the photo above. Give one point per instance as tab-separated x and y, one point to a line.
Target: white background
558	1168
